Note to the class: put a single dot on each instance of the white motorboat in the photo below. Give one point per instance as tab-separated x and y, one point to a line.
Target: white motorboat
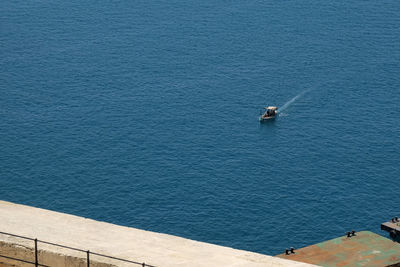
269	114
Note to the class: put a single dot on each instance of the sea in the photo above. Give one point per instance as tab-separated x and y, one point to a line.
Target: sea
145	114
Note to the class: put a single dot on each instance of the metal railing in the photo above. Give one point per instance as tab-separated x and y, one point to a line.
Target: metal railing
87	252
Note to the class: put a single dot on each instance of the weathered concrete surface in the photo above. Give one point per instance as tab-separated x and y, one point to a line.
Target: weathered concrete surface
363	249
118	241
18	251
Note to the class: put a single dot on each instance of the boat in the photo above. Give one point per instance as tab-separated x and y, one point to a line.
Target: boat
269	114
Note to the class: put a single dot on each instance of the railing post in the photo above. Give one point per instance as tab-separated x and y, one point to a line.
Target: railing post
36	254
144	265
87	258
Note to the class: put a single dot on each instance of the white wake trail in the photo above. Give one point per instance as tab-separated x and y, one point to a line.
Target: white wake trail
287	104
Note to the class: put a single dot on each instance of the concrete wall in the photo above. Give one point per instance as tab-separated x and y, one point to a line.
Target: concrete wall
48	258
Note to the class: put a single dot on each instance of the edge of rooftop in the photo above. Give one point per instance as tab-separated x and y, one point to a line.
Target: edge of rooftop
123	242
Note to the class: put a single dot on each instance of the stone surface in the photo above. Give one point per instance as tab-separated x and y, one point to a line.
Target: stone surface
128	243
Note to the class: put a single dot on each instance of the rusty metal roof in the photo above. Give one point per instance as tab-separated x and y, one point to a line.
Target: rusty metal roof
363	249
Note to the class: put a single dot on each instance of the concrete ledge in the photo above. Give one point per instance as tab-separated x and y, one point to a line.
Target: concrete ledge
118	241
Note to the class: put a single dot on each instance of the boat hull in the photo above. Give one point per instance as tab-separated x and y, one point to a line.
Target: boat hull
266	119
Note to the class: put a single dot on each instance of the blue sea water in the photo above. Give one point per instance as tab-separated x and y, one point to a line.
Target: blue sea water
145	114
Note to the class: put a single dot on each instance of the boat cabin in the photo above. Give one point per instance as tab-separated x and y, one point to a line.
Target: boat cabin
270	111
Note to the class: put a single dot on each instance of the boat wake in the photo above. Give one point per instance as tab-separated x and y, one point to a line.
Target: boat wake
287	104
